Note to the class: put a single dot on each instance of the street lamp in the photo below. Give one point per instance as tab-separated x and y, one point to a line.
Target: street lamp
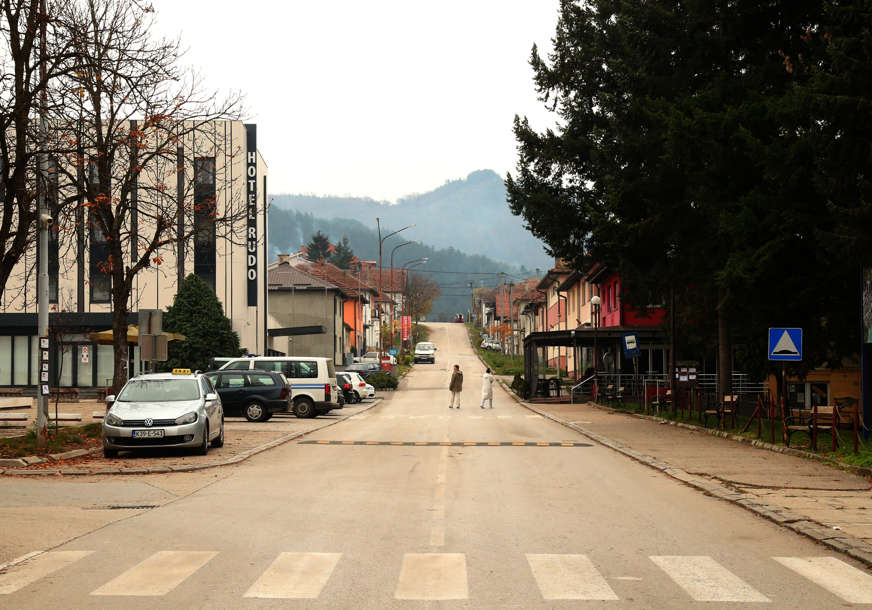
406	266
381	240
405	243
595	304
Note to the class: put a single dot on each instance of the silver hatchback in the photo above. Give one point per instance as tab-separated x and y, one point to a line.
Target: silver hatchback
177	409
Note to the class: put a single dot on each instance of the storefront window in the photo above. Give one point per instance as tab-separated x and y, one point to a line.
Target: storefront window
34	361
85	364
5	360
105	365
63	373
19	348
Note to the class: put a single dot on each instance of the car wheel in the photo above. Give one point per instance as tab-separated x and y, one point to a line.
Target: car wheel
219	440
304	407
357	397
254	411
203	449
110	453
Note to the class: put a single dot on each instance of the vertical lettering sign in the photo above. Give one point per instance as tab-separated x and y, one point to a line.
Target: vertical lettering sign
251	213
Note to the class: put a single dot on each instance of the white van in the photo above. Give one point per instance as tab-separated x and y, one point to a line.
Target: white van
313	380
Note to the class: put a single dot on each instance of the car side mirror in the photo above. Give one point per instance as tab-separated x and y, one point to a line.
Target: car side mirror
109	399
211	396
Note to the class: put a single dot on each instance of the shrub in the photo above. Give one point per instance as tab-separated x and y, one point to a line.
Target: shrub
383	381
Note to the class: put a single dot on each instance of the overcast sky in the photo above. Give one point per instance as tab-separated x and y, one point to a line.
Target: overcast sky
379	98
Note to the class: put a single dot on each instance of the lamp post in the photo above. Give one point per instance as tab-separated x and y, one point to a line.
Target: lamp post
406	266
405	243
595	304
381	240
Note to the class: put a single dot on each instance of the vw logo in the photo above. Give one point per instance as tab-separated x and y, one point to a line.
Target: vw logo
148	422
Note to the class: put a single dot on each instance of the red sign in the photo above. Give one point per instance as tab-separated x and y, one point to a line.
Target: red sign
407	327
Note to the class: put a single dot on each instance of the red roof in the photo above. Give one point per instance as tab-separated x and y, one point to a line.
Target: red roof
350	284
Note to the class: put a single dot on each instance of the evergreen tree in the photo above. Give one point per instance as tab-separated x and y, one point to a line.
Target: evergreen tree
681	161
318	247
196	313
342	254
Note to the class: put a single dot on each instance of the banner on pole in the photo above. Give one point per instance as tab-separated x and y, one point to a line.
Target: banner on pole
407	327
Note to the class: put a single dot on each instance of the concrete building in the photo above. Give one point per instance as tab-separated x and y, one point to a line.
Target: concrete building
216	163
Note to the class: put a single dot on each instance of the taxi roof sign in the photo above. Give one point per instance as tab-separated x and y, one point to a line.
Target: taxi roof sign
181	371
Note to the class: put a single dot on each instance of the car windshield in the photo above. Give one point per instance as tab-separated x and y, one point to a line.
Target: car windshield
424	346
159	390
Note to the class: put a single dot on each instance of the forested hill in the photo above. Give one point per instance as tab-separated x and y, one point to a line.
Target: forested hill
470	215
288	230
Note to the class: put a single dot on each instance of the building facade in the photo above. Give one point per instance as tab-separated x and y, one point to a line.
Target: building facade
219	189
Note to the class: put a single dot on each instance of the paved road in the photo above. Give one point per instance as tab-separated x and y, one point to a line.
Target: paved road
395	509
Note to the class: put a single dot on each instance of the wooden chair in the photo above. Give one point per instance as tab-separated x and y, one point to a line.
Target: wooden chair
820	418
727	406
662	402
619	393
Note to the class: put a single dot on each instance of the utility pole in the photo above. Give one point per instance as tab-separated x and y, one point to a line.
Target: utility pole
45	222
471	302
511	320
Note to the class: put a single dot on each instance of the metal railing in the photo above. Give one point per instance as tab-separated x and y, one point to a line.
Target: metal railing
579	387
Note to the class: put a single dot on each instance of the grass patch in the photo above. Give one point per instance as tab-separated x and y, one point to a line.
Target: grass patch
64	439
499	363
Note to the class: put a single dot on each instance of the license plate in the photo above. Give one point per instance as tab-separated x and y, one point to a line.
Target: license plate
148	433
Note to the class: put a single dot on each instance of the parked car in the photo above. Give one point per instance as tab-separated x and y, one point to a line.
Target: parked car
425	352
312	378
492	344
343	380
256	394
375	357
364	369
178	409
361	388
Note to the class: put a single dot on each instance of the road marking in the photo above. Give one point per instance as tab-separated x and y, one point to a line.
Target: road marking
433	576
504	416
295	576
157	575
534	417
447	443
705	580
25	571
839	578
437	527
569	577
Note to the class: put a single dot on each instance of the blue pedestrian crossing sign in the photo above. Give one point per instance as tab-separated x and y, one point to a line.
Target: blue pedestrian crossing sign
785	344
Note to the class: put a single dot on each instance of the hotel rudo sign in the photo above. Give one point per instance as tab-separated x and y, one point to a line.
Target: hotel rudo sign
251	237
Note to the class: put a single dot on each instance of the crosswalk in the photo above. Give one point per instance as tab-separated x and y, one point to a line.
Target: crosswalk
472	413
442	576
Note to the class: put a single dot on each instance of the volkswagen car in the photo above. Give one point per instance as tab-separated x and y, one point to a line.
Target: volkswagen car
178	409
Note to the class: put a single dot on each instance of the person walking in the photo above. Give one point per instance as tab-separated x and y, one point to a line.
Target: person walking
456	387
487	388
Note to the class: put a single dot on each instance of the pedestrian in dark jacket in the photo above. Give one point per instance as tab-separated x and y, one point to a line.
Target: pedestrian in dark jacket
456	387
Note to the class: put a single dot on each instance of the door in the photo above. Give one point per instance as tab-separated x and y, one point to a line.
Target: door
231	389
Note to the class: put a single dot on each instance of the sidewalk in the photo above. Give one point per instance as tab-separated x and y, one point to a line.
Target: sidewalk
822	502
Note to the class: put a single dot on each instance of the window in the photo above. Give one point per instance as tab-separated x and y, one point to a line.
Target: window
239	365
261	380
20	356
306	369
98	252
204	219
5	360
205	386
233	380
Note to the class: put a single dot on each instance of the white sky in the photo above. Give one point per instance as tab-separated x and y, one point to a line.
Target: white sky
379	98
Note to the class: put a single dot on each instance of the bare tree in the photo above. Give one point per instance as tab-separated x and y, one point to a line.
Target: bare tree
130	113
32	56
421	291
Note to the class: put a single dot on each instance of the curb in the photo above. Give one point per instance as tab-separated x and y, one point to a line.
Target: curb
849	545
240	457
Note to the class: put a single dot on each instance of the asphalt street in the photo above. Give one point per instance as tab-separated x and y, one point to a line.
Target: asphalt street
413	504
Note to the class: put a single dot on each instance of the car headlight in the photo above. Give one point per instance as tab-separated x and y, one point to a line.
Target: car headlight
113	420
187	418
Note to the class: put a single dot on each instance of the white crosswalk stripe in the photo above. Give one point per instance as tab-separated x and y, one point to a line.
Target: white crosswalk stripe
569	577
839	578
30	570
705	580
157	575
433	576
295	576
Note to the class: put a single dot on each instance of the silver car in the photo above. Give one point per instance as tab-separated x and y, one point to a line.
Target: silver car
177	409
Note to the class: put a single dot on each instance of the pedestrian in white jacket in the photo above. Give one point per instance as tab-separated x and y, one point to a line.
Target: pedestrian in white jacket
487	388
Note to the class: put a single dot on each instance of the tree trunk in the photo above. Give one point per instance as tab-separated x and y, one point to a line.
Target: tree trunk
725	371
119	333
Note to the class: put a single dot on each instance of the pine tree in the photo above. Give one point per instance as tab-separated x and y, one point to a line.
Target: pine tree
196	313
319	247
342	254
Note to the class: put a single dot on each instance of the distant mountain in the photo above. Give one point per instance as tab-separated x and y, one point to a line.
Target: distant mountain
452	269
470	215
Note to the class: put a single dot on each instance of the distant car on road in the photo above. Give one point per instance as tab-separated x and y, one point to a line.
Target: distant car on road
178	409
255	394
375	357
425	352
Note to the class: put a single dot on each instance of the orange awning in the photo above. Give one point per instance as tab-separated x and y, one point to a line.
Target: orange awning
104	337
